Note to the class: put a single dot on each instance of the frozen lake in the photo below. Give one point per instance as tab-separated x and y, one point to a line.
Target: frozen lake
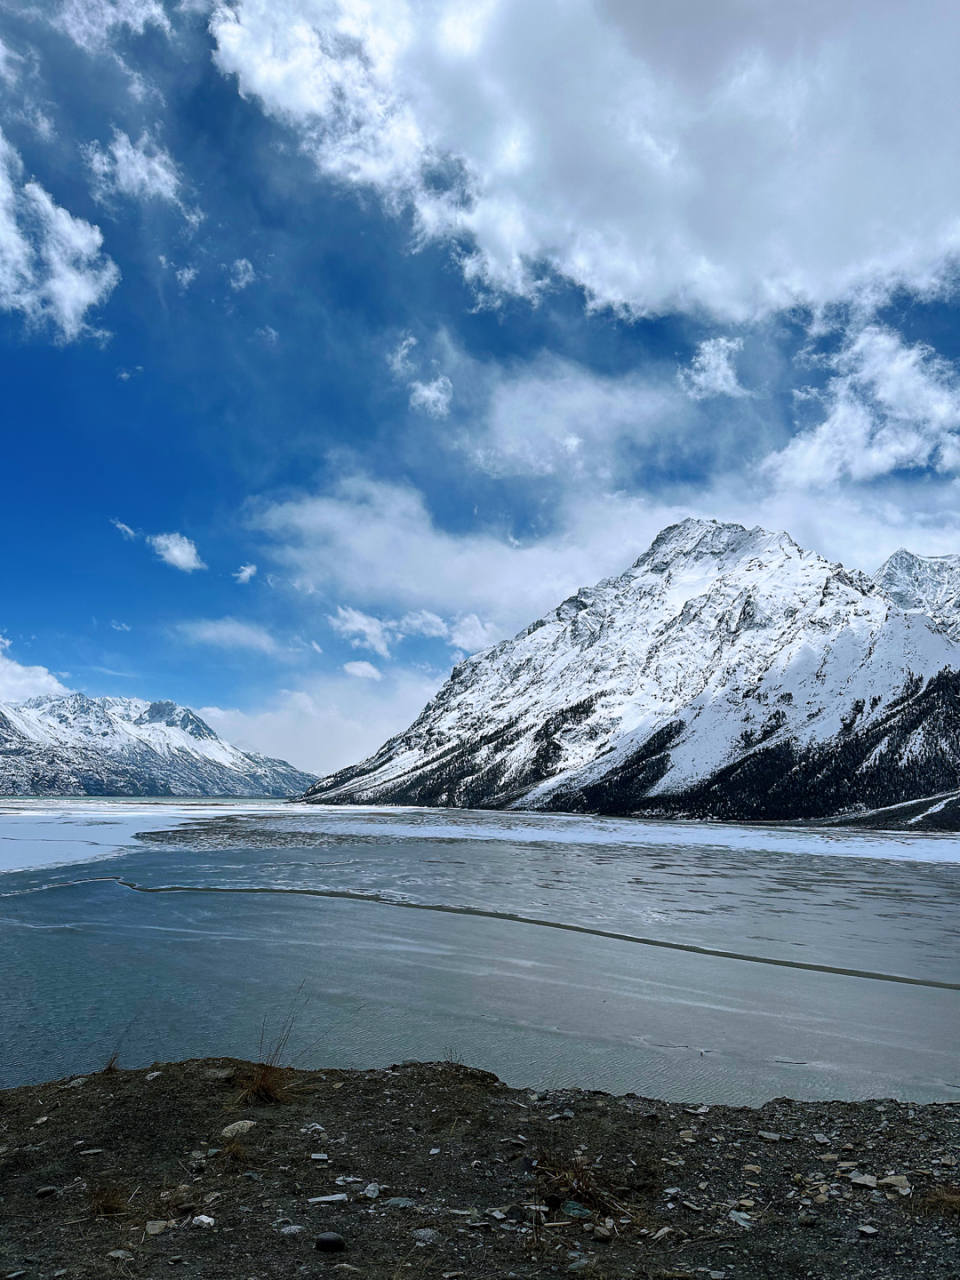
679	960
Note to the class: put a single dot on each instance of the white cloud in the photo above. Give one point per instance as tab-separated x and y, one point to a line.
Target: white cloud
141	170
242	274
890	407
228	633
124	528
245	573
119	626
376	543
91	23
432	398
734	157
470	634
268	335
186	276
330	722
367	632
423	623
362	670
176	550
18	683
712	371
51	265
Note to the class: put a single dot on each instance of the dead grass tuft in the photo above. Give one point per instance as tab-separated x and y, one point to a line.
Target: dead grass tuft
263	1082
107	1199
565	1177
235	1150
944	1199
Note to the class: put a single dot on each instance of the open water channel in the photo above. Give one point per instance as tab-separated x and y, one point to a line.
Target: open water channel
686	961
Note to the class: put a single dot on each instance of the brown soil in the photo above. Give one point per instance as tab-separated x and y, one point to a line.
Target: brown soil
106	1175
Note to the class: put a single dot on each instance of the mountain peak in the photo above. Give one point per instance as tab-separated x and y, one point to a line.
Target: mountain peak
694	539
726	673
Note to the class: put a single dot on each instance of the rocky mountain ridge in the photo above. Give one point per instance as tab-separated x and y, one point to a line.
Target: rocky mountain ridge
75	745
728	673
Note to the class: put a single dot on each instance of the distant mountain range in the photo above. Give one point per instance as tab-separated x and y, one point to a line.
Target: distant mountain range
74	745
727	674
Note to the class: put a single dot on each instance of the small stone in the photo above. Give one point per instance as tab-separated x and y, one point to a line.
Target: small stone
579	1264
156	1227
434	1151
574	1209
897	1180
153	1075
767	1136
805	1218
425	1235
602	1233
866	1230
41	1120
821	1139
121	1255
291	1230
334	1199
251	1175
92	1151
237	1128
330	1242
863	1180
202	1221
741	1219
399	1202
43	1192
216	1073
371	1190
320	1156
75	1084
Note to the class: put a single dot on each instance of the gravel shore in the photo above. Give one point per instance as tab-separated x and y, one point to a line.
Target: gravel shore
438	1170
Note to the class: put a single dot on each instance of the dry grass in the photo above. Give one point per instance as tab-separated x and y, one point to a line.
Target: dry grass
235	1150
570	1177
944	1200
108	1199
263	1082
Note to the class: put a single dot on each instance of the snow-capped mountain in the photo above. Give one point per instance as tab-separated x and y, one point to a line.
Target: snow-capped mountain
927	584
727	673
74	745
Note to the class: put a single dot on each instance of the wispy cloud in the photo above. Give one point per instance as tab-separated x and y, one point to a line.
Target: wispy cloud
245	573
142	170
228	633
242	274
432	398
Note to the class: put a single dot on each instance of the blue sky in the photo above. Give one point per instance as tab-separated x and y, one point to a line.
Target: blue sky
341	339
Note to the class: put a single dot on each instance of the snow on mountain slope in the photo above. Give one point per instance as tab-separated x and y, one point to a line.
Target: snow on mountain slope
75	745
727	673
928	584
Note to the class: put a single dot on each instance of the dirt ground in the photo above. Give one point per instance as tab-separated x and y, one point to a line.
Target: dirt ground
440	1172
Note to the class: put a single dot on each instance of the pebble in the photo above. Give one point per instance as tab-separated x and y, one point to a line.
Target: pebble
121	1255
399	1202
372	1190
335	1199
767	1136
43	1192
153	1075
292	1230
425	1235
866	1230
237	1128
741	1219
75	1084
156	1227
202	1221
574	1209
330	1242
